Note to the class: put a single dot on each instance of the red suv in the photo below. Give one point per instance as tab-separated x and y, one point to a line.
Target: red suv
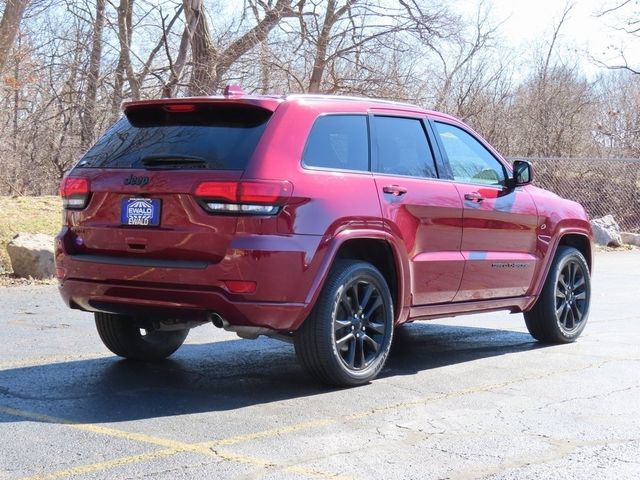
323	221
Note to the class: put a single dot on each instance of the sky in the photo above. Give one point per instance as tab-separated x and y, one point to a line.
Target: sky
526	22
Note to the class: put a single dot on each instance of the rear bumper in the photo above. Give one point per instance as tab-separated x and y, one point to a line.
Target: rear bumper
285	270
174	303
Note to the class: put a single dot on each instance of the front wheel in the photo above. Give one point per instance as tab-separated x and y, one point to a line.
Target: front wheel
346	339
125	338
560	313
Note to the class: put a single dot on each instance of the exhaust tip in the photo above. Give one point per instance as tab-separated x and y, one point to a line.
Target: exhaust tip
217	320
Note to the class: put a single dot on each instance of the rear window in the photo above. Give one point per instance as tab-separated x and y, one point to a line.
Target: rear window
212	137
338	142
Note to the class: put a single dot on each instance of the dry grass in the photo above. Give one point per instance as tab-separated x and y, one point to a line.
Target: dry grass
27	214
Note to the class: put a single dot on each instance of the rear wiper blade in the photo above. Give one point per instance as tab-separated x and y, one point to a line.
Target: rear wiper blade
173	161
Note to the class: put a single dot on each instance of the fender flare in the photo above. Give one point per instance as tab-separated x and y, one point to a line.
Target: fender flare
536	287
401	262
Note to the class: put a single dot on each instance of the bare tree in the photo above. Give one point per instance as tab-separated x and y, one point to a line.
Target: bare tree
11	17
464	66
125	68
211	61
352	32
625	15
88	119
617	124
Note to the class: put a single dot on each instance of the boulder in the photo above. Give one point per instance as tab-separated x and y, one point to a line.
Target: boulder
631	238
31	255
606	231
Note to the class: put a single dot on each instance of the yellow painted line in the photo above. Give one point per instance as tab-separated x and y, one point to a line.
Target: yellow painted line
309	425
172	447
111	432
274	432
49	359
209	448
100	466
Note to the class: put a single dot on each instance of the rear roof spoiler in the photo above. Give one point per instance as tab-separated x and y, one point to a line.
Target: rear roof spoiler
268	103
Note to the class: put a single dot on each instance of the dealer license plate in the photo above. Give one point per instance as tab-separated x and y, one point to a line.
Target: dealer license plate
140	211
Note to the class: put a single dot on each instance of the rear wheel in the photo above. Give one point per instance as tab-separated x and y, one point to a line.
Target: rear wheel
347	338
560	313
124	337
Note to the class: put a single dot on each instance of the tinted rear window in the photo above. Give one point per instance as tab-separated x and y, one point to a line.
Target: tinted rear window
222	137
338	142
403	148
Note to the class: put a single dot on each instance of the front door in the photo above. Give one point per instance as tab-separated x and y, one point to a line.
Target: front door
499	222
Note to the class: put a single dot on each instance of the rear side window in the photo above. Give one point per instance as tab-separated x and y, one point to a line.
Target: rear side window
210	137
469	160
403	148
338	142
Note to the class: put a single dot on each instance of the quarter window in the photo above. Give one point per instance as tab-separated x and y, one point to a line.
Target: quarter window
403	148
338	142
469	160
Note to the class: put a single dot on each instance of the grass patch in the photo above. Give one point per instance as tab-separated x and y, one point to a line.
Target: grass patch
27	214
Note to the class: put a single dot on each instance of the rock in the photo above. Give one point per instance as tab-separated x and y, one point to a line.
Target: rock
631	238
606	231
31	255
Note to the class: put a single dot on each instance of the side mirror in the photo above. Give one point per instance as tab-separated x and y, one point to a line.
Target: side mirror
522	173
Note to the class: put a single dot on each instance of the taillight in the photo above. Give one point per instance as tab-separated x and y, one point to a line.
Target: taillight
250	197
74	192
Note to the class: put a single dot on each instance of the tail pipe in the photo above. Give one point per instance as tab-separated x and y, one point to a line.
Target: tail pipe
246	331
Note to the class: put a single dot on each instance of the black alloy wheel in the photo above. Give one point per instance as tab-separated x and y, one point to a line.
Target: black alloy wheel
346	339
560	312
571	297
359	325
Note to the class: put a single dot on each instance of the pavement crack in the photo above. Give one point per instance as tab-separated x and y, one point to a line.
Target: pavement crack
598	396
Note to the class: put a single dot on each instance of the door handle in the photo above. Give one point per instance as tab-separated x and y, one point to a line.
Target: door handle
473	197
395	190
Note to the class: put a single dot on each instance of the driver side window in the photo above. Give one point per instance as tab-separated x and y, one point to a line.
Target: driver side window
469	160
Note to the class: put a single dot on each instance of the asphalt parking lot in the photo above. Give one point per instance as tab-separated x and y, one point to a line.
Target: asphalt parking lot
464	398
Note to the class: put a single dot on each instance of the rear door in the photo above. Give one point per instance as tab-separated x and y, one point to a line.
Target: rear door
423	211
499	223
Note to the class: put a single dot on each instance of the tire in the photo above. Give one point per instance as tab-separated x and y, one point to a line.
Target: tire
346	339
560	313
125	338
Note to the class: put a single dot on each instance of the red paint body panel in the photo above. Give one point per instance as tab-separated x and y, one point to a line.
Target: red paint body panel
450	256
428	220
499	240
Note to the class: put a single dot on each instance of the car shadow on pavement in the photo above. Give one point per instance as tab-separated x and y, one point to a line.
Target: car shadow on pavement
223	376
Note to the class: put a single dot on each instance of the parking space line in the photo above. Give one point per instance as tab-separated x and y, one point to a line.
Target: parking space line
107	465
388	408
209	448
173	447
111	432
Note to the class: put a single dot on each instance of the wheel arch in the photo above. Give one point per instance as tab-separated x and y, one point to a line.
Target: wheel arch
579	239
381	250
580	242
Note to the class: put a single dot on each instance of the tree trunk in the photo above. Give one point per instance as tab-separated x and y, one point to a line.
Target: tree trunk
332	16
203	51
320	60
125	30
89	109
176	68
9	25
209	64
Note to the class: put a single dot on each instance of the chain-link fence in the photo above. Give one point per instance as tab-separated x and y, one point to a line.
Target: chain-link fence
602	186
